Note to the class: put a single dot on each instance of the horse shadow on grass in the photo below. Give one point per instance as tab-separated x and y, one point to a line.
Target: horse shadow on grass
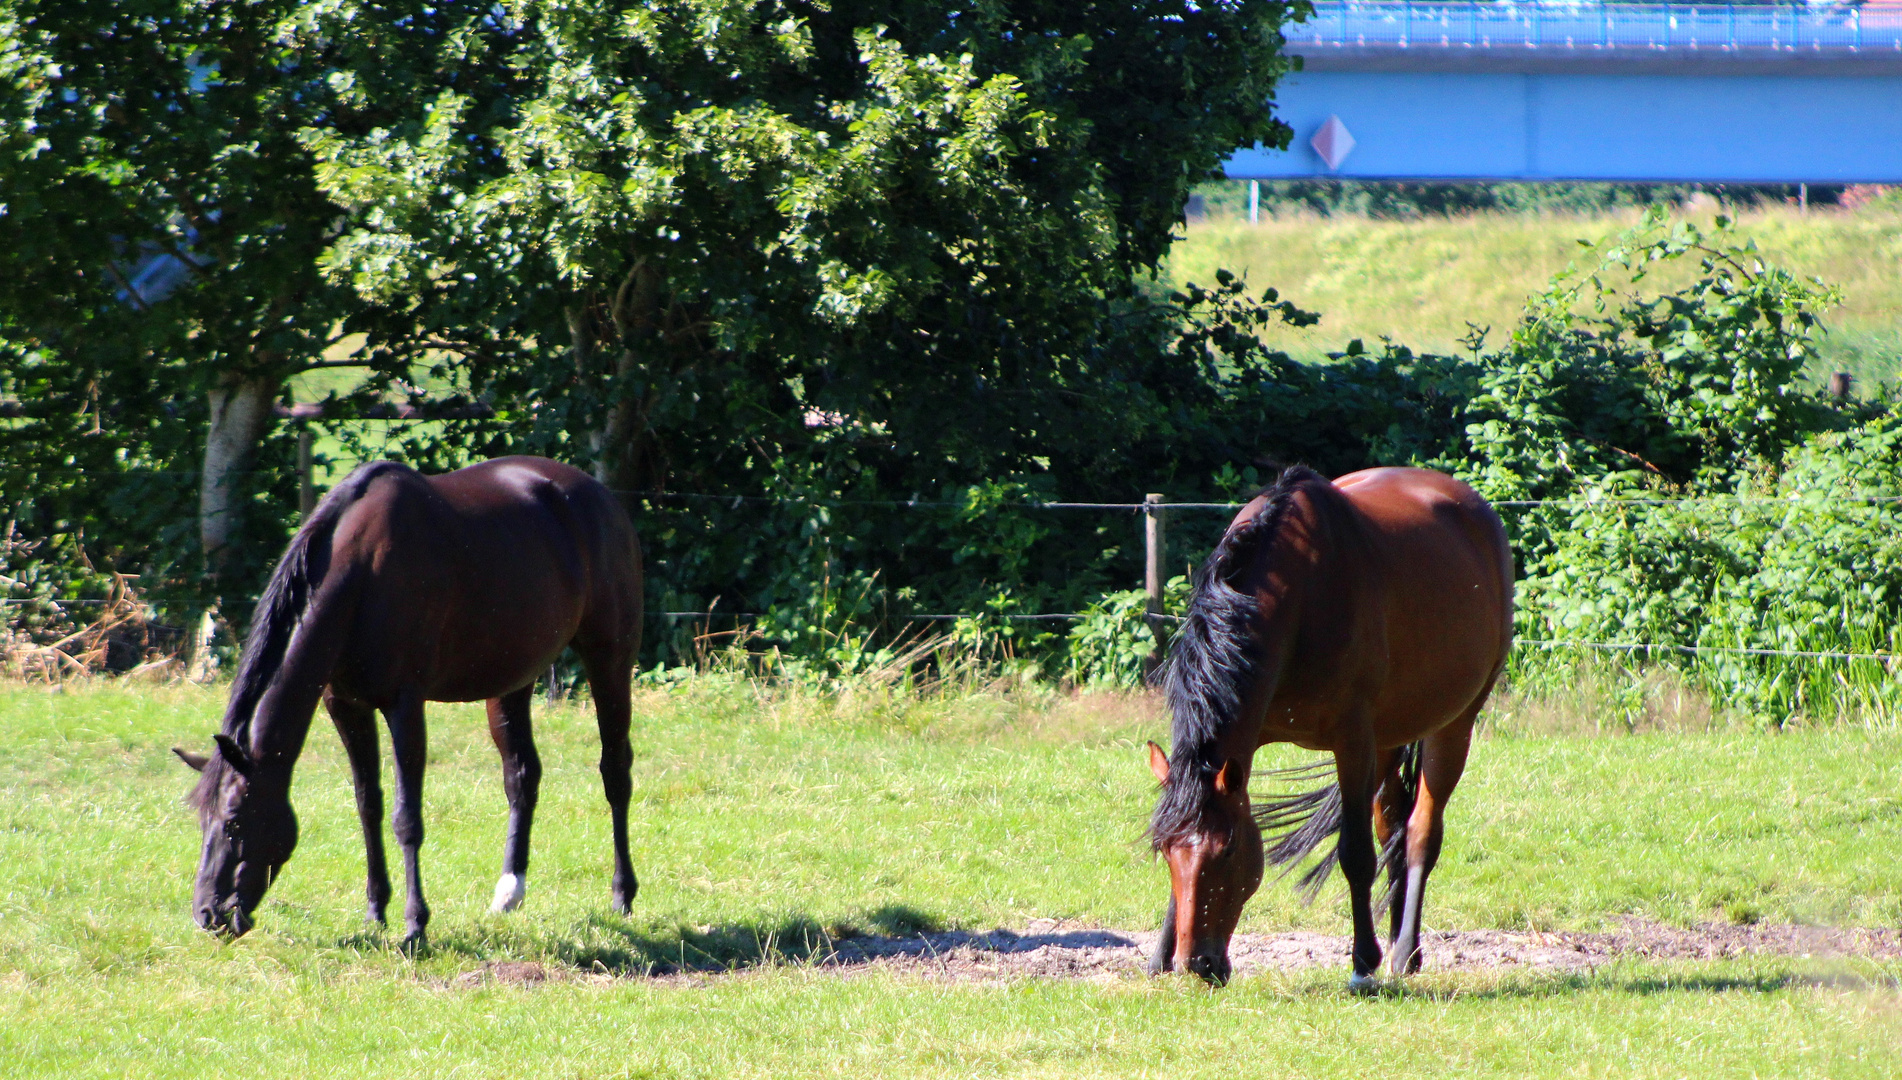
891	935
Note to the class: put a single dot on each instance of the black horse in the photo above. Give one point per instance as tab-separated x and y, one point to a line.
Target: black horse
402	589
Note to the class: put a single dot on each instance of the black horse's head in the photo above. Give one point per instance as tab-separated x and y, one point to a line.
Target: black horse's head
249	833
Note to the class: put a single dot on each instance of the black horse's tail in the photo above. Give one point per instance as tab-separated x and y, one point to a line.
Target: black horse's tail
1293	826
287	596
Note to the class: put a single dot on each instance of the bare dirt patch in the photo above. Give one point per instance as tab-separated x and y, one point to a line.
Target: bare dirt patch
1050	949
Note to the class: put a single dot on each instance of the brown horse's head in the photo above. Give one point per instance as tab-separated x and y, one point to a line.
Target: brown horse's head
249	833
1215	865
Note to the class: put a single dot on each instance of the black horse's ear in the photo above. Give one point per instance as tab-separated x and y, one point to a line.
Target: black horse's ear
196	761
233	754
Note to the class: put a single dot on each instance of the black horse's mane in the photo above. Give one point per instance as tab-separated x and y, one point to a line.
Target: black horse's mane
279	612
1213	664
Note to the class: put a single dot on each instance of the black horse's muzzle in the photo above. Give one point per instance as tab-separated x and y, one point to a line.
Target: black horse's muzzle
227	920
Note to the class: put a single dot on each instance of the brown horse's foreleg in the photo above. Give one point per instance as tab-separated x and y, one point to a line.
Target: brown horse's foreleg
1164	958
409	746
608	681
1355	768
522	779
356	725
1443	760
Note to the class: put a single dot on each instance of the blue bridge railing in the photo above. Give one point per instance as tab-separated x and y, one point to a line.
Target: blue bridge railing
1745	28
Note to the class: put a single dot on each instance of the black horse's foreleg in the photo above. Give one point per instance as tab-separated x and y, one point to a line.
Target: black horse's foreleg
356	725
1443	761
1164	958
608	681
521	779
1355	770
409	746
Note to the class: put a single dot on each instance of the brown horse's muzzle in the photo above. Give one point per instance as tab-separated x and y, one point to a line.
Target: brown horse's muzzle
1211	966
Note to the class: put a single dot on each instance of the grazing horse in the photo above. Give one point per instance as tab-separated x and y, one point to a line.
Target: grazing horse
402	589
1369	617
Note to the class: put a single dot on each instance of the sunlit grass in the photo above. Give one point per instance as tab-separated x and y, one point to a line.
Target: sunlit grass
768	821
1422	282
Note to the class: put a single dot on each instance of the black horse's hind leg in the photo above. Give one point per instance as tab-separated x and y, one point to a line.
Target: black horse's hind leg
1443	761
522	779
608	681
1164	958
409	745
356	725
1355	769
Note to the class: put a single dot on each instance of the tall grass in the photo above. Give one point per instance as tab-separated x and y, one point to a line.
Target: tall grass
1421	282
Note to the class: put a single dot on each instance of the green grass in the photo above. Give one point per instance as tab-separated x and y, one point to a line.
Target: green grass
1421	282
763	822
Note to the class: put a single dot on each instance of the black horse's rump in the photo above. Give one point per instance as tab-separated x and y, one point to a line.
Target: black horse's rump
1213	663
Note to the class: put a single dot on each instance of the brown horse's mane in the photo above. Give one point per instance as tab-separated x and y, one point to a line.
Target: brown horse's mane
279	611
1214	663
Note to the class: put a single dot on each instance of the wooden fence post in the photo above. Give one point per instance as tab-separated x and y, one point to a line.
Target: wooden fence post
306	484
1153	555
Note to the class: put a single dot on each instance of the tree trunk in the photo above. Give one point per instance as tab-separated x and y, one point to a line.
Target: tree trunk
634	315
240	418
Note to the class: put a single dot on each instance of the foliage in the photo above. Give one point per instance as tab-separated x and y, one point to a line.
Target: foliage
160	230
1406	201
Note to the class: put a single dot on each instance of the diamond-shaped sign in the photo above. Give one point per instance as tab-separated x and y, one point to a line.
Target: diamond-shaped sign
1333	142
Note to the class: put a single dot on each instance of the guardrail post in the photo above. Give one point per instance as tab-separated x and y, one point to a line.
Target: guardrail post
1153	539
1254	202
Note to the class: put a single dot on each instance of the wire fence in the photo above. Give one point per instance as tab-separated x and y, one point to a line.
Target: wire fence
1160	508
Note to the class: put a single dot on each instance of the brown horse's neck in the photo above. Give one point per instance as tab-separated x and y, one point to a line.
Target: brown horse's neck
1235	642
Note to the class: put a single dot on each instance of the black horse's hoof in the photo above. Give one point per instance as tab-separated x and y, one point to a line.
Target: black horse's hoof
1363	985
415	943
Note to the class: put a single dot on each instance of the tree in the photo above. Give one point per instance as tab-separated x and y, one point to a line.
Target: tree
747	246
160	229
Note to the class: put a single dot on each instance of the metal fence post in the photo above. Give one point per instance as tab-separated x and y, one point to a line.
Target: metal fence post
1153	542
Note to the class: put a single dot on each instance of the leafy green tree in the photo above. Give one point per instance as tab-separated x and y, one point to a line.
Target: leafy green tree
865	250
160	231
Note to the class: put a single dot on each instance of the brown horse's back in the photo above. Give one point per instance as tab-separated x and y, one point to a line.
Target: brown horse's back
1446	610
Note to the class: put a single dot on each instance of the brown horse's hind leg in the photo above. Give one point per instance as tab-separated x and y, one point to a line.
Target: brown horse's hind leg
1355	767
608	681
356	725
1443	760
522	780
410	747
1390	817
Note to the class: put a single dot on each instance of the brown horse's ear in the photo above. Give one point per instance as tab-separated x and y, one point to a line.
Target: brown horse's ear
233	754
196	761
1158	763
1225	777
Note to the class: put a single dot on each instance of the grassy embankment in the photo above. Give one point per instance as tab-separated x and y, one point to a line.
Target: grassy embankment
763	823
1421	282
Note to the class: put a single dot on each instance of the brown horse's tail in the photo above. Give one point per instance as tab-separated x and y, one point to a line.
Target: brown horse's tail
1293	826
287	596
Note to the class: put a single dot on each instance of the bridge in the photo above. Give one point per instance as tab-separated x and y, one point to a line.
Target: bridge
1717	93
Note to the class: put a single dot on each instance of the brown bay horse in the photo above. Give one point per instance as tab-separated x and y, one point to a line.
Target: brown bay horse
1368	617
403	589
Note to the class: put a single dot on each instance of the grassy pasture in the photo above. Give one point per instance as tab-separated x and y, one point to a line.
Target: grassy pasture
765	822
1420	282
